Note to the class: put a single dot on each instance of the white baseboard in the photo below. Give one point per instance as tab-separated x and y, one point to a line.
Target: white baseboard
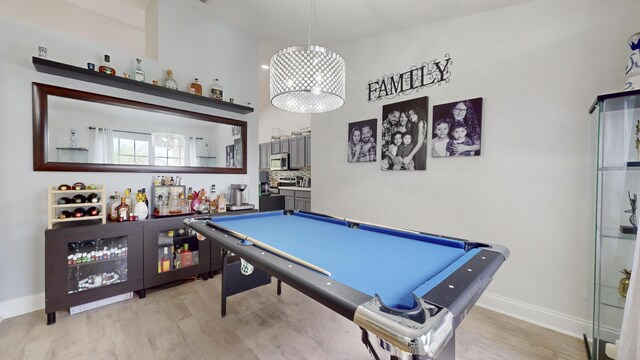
549	319
23	305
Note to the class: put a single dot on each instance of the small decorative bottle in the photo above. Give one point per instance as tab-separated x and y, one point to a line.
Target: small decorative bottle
138	72
106	66
196	88
216	90
169	82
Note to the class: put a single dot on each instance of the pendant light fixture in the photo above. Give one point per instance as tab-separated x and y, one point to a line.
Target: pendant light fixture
307	78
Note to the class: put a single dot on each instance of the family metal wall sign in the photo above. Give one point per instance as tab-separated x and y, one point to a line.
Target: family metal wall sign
418	76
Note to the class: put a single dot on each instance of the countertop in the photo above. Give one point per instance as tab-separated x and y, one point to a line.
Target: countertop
296	188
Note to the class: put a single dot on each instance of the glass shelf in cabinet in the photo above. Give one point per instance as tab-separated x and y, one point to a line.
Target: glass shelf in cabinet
97	261
613	233
609	296
630	168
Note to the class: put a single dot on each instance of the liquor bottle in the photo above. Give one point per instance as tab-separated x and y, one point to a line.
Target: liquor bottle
106	66
93	198
222	204
79	199
123	210
169	82
165	262
177	261
197	88
127	196
216	90
111	207
186	258
138	73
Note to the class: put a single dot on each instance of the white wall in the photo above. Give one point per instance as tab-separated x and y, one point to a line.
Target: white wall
538	67
23	219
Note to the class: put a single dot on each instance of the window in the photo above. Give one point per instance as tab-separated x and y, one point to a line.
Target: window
168	156
131	148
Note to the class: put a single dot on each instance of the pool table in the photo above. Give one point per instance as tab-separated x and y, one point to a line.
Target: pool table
410	289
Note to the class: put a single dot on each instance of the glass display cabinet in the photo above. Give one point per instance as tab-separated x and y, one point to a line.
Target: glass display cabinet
89	263
618	185
173	252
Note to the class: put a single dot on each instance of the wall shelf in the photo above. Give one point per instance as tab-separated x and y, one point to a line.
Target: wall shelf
78	73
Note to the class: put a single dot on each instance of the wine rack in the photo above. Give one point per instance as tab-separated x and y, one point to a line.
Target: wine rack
55	209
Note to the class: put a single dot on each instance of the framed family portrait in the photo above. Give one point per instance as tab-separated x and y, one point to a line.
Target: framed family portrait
457	129
230	156
404	135
361	145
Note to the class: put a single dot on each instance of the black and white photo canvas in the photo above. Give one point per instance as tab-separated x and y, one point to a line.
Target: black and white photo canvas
457	128
237	147
362	141
404	135
230	151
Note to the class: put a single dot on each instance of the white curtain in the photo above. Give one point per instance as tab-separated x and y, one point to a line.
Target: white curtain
101	146
189	153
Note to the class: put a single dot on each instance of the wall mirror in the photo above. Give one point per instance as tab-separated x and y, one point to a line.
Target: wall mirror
81	131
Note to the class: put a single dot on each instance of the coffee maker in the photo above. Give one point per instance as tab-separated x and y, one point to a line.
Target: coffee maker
236	198
265	189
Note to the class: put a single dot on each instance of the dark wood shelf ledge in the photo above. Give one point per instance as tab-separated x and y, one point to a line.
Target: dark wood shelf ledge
78	73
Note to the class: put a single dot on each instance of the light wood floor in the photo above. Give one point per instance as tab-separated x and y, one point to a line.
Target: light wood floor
183	322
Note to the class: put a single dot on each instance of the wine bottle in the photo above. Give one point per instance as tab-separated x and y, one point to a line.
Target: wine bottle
79	212
79	199
65	214
64	187
93	211
93	198
79	186
64	200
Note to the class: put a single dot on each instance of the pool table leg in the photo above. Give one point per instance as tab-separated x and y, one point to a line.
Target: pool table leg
223	291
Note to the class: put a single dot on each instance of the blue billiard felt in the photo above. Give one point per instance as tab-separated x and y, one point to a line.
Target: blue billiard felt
367	259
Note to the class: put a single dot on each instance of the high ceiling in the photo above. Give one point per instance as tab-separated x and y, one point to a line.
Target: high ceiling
338	21
285	22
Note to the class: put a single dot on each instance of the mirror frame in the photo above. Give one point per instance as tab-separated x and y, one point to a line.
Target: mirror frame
41	138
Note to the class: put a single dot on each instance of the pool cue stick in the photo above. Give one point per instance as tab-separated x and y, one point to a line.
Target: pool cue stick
271	249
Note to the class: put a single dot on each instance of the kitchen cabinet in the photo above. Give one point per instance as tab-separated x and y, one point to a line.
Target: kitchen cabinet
265	153
618	174
280	146
297	152
296	199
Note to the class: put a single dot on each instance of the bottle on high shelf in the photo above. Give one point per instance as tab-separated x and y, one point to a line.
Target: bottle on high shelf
123	210
216	90
197	88
106	66
138	72
169	81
